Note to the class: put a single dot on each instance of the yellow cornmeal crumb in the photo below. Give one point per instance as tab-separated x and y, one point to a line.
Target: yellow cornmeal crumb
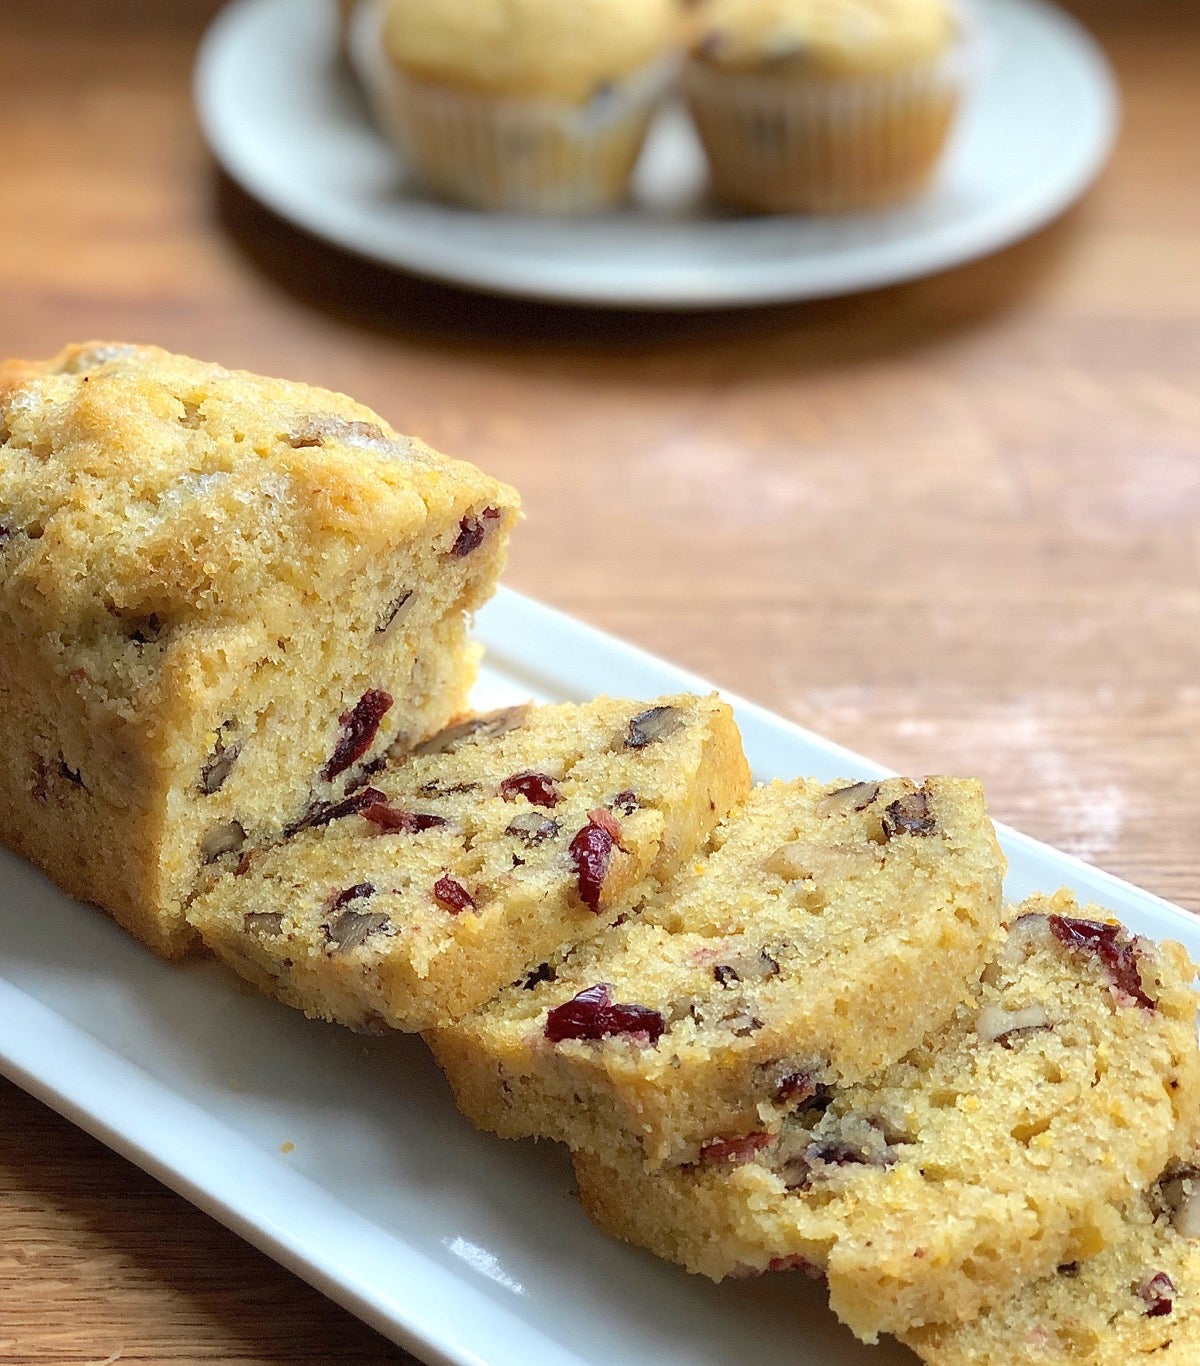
287	1147
212	586
830	927
920	1207
1137	1300
838	37
528	49
455	873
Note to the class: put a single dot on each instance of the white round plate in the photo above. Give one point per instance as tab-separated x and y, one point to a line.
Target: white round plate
287	123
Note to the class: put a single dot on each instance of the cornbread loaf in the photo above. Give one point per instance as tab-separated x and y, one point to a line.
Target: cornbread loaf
221	597
992	1154
470	861
828	929
1137	1300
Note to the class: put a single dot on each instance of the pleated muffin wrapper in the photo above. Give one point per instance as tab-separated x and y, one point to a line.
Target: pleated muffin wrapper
788	142
519	156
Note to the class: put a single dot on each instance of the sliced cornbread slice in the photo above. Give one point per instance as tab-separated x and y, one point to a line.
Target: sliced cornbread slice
828	929
989	1156
463	866
220	596
1139	1298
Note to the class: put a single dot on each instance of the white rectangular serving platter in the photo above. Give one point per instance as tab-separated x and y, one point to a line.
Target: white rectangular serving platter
460	1247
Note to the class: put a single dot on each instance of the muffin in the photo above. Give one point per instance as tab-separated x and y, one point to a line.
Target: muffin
823	106
534	106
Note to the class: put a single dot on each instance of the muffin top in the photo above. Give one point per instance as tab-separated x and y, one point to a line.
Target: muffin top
821	36
528	49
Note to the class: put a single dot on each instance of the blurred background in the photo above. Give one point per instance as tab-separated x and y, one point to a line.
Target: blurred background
953	524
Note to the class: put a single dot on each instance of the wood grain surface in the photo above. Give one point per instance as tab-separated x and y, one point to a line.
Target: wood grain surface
954	525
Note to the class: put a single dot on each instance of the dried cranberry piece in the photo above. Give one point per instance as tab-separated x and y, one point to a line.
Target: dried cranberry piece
359	726
1114	950
324	812
538	789
724	974
592	851
909	815
453	896
625	802
1157	1292
355	893
736	1150
394	818
471	532
593	1014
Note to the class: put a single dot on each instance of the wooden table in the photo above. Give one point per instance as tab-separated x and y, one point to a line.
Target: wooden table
954	525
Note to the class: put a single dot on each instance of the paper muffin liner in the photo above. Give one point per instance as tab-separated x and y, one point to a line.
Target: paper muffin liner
782	143
522	156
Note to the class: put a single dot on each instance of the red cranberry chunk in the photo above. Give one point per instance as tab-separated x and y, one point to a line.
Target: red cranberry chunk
1157	1292
538	789
393	818
736	1150
593	1014
360	725
591	851
452	896
471	531
625	802
1114	949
